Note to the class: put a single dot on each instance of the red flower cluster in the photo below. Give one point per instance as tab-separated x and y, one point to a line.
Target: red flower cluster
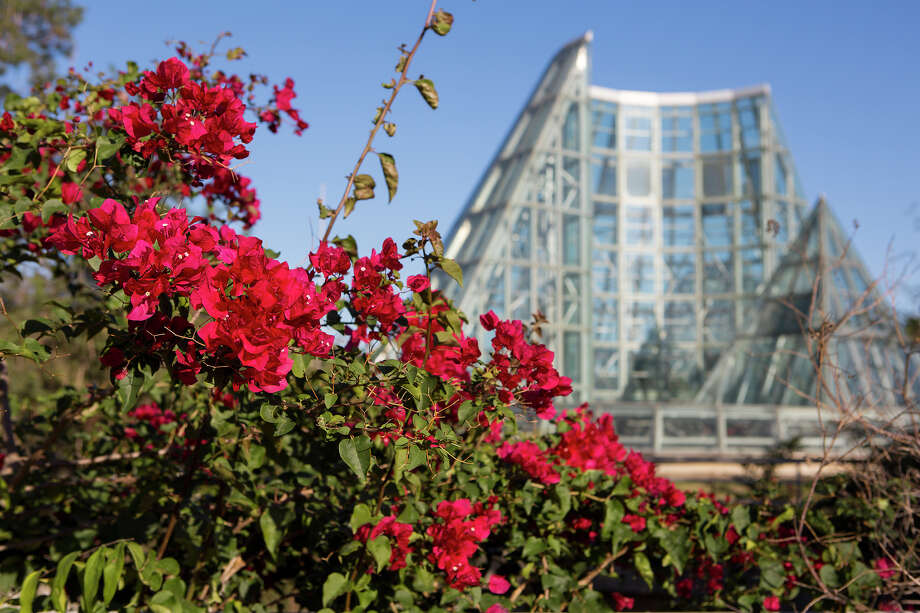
456	538
282	103
373	294
258	304
450	361
525	370
151	414
531	458
399	534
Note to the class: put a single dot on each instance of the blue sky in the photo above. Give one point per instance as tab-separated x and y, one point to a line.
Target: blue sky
845	79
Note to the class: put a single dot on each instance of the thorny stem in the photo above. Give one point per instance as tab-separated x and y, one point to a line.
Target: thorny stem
380	121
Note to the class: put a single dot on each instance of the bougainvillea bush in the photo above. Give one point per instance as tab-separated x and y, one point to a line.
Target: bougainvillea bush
328	437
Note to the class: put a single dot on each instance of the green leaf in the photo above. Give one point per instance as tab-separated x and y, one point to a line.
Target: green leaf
329	399
111	575
269	413
334	587
644	567
426	89
533	546
73	159
740	518
284	426
466	410
364	187
129	387
441	22
349	206
360	516
106	148
380	549
453	269
138	555
52	206
27	595
168	566
91	575
357	455
829	576
390	174
58	595
270	532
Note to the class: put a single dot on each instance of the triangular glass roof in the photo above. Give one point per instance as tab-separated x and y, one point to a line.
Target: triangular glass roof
818	313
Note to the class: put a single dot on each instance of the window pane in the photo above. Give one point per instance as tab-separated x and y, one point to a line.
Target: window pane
571	240
604	124
677	133
679	226
605	323
750	223
779	173
749	121
571	350
547	231
677	179
607	370
781	216
719	322
605	223
604	271
495	291
640	320
520	293
680	321
570	129
640	271
638	133
715	127
718	275
638	178
717	177
546	293
750	174
718	224
604	175
751	269
640	227
679	273
520	236
571	298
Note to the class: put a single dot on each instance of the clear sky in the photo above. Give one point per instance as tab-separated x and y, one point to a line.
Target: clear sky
845	78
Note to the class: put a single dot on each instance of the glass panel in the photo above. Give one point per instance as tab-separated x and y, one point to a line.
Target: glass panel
520	236
607	372
717	177
781	216
684	427
779	174
495	291
680	321
640	227
679	226
605	323
750	223
638	178
520	293
677	179
570	132
718	224
638	133
679	273
546	293
677	132
749	121
604	271
571	240
719	321
571	182
541	182
546	236
571	350
718	274
639	320
603	124
633	426
604	175
751	269
605	223
640	271
571	299
715	127
750	174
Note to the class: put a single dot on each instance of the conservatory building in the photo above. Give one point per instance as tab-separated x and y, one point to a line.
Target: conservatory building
646	227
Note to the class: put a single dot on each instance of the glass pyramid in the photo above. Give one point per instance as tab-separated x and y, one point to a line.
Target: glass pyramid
635	222
822	333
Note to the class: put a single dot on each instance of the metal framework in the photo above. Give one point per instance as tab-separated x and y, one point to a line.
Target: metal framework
643	226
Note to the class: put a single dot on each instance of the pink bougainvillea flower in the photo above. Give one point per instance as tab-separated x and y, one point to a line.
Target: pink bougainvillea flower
496	608
70	193
771	603
884	568
418	283
498	584
621	602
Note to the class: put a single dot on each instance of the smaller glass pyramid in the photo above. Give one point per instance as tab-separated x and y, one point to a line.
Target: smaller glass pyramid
819	314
